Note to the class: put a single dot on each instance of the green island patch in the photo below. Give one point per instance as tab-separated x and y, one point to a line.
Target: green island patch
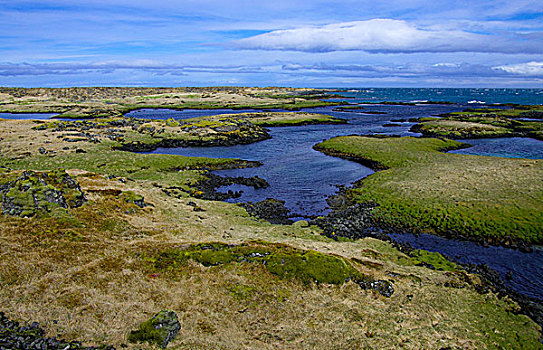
422	189
523	121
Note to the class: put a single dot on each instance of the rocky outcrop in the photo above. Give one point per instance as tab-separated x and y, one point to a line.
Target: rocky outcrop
32	337
207	189
353	222
270	209
39	192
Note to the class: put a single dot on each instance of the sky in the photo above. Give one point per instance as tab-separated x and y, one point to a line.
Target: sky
298	43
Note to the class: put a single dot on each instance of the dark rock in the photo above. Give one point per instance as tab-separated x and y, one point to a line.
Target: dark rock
391	125
195	207
270	209
32	337
509	276
207	189
160	329
384	288
353	222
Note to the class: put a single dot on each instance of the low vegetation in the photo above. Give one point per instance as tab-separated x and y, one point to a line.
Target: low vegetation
422	189
290	119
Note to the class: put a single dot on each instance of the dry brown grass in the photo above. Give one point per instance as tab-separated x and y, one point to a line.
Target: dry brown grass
88	283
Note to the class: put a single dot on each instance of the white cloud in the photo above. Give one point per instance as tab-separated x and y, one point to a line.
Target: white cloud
386	36
529	68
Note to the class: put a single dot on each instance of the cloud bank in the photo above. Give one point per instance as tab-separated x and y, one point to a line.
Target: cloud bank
445	69
104	67
529	68
388	36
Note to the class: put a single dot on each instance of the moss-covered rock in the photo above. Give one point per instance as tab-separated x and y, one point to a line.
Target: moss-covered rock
134	198
160	329
38	192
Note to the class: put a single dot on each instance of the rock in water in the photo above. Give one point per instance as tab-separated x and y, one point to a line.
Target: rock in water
160	329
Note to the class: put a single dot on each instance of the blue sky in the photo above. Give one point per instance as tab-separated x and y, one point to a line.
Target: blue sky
313	43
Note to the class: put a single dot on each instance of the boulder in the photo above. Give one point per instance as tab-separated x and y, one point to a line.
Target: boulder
161	329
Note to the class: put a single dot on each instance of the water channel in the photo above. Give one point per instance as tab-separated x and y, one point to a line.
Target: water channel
303	178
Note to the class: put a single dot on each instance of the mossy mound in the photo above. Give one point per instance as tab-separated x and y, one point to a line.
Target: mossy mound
134	198
160	329
307	266
461	129
431	260
29	193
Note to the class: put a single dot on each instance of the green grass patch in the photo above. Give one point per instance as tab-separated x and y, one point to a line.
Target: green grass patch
424	190
102	159
461	129
307	266
482	123
290	119
435	260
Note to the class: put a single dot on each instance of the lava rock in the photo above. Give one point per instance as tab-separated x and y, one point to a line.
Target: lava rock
383	287
352	222
270	209
207	188
32	337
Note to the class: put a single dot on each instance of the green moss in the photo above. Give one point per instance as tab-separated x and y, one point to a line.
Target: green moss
307	266
384	153
146	333
131	197
172	122
435	260
241	291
